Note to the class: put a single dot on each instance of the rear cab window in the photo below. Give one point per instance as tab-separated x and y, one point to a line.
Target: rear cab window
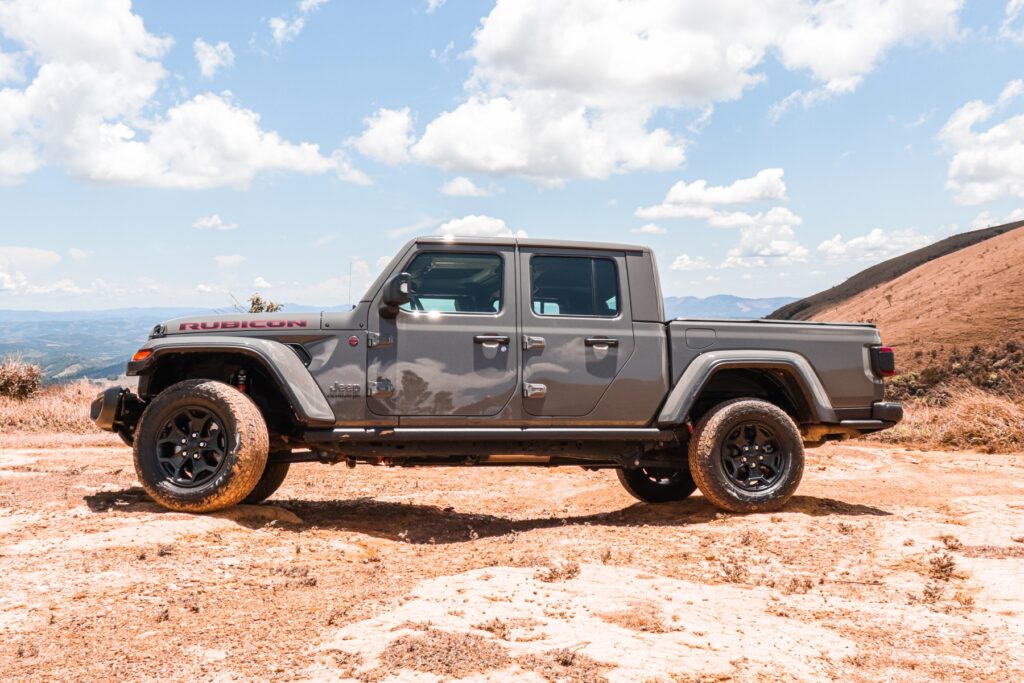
574	286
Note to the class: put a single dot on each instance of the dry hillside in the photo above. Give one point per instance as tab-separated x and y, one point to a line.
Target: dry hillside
971	297
878	274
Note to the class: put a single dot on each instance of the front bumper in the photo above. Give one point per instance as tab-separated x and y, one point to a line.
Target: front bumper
117	410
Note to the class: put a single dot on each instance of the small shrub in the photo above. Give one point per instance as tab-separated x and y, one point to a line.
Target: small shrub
257	304
19	380
941	567
559	572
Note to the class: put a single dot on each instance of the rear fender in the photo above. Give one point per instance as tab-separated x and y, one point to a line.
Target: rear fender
280	363
687	390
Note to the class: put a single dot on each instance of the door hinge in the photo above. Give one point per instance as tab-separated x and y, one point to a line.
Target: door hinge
531	343
531	390
378	340
381	388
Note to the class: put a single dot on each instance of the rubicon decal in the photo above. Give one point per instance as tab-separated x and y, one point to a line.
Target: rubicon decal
243	325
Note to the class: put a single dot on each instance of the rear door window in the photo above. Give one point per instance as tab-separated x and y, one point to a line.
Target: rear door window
574	286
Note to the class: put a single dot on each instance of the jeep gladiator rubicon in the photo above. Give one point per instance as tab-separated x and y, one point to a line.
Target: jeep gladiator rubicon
486	352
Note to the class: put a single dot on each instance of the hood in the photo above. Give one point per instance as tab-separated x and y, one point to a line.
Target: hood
239	322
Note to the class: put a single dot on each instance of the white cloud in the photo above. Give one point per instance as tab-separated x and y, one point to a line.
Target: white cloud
694	200
434	4
211	58
442	56
12	67
777	215
985	219
213	222
1013	26
568	89
650	229
92	108
79	254
461	186
684	262
877	245
987	164
284	29
768	241
418	226
544	137
261	283
21	267
228	260
387	136
478	226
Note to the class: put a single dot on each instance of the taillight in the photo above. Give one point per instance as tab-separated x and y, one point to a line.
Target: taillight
883	360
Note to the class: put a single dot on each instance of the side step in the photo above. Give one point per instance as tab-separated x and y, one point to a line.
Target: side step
421	434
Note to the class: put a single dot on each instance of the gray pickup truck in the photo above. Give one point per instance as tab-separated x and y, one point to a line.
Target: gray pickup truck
485	352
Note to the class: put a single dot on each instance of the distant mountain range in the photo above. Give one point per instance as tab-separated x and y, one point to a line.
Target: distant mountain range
71	345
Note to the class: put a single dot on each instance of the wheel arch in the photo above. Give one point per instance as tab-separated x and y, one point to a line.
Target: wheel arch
783	378
279	382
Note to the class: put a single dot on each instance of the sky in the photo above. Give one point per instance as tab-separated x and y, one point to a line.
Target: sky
181	154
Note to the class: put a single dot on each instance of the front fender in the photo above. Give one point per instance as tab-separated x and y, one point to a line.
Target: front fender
278	360
693	380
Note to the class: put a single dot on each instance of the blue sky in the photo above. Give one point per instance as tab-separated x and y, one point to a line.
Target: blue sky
157	153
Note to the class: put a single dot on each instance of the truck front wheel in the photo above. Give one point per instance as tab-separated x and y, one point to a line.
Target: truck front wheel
746	455
201	446
657	484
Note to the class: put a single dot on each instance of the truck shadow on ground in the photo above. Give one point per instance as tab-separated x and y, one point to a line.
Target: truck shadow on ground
431	524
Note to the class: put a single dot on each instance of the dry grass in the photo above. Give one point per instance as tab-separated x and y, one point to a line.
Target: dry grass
444	653
972	419
643	616
60	408
18	380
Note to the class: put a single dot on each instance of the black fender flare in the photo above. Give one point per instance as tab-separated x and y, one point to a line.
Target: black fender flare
684	394
291	375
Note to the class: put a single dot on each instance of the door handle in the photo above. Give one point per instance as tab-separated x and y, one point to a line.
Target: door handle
601	342
532	343
531	390
491	339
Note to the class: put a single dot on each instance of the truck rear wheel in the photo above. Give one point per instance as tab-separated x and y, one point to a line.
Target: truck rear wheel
273	477
746	455
201	446
657	484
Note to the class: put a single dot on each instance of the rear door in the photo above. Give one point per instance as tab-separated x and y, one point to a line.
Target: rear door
450	351
577	329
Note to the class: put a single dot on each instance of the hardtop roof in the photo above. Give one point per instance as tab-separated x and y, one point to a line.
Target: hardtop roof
531	242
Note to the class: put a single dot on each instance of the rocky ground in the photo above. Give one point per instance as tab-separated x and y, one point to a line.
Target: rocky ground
890	564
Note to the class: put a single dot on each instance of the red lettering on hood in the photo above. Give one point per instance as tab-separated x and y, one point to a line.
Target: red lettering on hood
242	324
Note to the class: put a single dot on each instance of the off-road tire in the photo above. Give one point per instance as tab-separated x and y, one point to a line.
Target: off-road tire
245	440
674	484
271	480
714	434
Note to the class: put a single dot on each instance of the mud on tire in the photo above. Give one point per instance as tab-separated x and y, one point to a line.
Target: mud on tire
201	446
747	455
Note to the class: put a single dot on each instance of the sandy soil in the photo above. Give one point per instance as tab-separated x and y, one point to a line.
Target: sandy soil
890	565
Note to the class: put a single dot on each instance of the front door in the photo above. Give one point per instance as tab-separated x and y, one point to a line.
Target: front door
577	329
450	351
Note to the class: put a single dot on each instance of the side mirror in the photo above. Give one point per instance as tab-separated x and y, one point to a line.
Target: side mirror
397	291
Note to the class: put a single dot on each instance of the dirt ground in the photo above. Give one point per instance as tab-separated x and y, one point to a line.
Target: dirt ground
890	564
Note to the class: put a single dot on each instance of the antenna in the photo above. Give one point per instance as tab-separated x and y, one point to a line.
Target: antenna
349	302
